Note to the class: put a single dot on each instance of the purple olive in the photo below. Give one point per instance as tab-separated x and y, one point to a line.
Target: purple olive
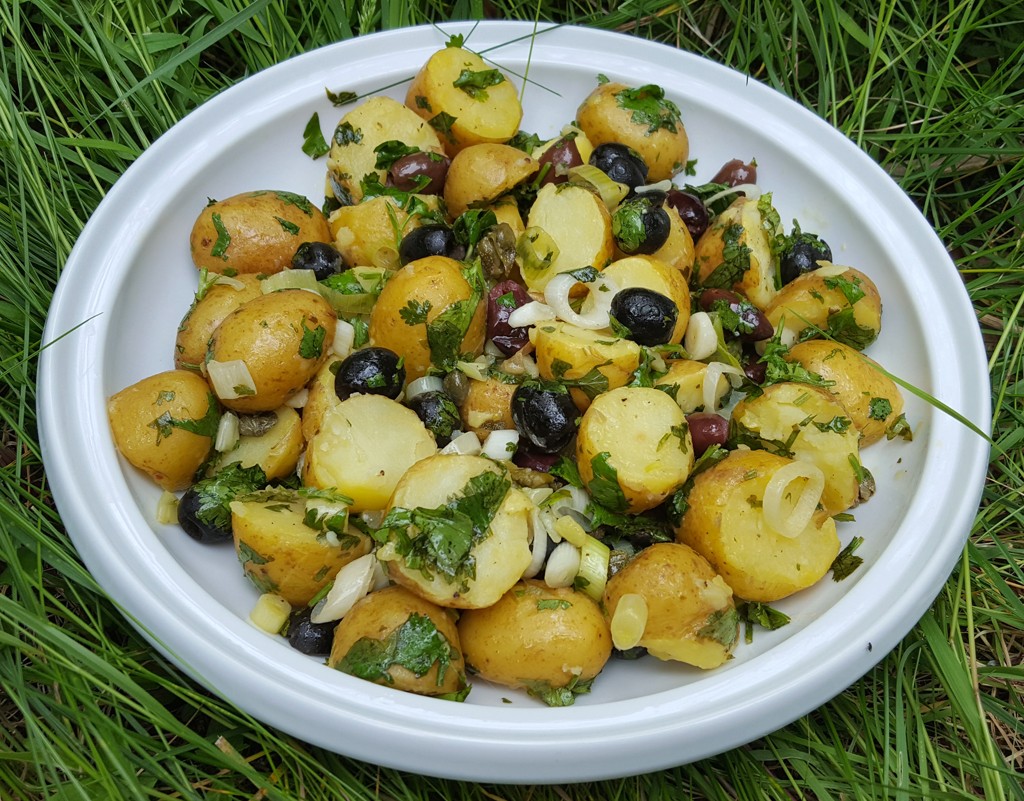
707	429
736	172
534	460
562	155
502	300
750	323
755	370
407	173
691	210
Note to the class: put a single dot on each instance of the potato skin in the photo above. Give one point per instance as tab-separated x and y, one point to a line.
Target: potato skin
537	637
276	336
482	173
365	234
321	398
277	451
858	384
725	524
691	615
487	407
255	232
434	280
141	420
609	115
378	616
205	315
649	272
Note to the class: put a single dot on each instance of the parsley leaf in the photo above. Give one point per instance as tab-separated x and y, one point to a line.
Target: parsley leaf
415	311
558	696
735	260
205	426
879	408
391	151
846	562
340	98
649	107
313	143
219	250
214	495
604	486
312	344
475	83
345	134
755	613
722	626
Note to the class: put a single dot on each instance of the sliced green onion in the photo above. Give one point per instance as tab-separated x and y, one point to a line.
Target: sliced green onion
270	613
611	192
167	508
227	433
593	572
563	565
536	251
290	279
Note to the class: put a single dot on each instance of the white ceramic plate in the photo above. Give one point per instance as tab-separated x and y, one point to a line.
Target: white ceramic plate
130	280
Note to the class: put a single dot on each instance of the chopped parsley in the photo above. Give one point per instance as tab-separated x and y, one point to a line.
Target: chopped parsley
735	260
649	107
340	98
846	562
722	626
214	494
755	613
391	151
313	143
842	326
879	408
415	311
205	426
312	344
288	225
604	486
442	123
553	603
837	425
219	250
851	289
475	82
558	696
345	134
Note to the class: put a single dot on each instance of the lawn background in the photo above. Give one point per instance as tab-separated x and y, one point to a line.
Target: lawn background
933	91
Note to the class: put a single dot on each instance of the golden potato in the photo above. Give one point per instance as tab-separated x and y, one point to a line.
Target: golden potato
684	381
725	522
370	124
276	450
206	313
480	174
487	407
322	397
678	250
283	338
465	100
690	615
737	251
369	233
870	397
255	232
457	561
633	448
281	552
363	447
839	301
395	638
506	210
410	304
164	425
649	272
578	223
552	642
641	118
809	424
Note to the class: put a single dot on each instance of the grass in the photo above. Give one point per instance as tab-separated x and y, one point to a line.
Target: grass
933	91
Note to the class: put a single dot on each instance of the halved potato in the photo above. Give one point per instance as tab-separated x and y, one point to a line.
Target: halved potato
276	451
369	233
684	381
649	272
480	174
206	313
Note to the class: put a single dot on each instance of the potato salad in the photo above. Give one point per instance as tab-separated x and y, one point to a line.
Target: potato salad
508	405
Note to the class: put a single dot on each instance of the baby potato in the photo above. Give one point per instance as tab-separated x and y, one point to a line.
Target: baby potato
369	233
370	124
206	313
255	232
164	425
839	301
464	100
363	447
684	381
678	250
395	638
736	251
633	448
412	300
549	641
870	397
487	407
590	362
649	272
455	563
479	174
276	450
321	398
506	210
642	118
690	613
578	223
805	423
282	337
280	552
725	523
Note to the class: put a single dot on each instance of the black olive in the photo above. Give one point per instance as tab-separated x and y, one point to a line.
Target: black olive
312	639
372	371
429	240
320	257
648	316
636	652
546	417
439	414
802	254
194	520
641	224
620	163
692	211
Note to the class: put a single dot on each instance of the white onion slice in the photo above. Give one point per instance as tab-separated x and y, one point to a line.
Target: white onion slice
563	565
751	191
712	376
353	581
830	270
501	445
784	516
660	186
419	386
530	314
538	551
602	290
227	433
466	443
227	280
298	400
290	279
344	338
231	379
700	340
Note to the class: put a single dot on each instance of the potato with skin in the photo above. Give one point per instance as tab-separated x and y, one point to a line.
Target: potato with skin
206	313
678	250
691	614
370	124
870	397
649	272
736	252
280	553
395	638
255	232
634	448
809	424
412	300
480	174
642	118
364	445
684	381
276	450
164	425
725	523
321	398
468	573
549	641
369	233
283	338
837	300
580	225
465	100
487	407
